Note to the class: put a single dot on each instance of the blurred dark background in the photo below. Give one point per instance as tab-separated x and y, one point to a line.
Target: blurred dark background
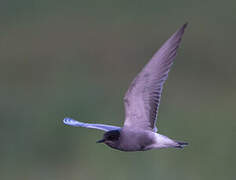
77	58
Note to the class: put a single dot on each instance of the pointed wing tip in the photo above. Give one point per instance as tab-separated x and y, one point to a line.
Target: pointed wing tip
185	25
182	29
69	121
65	120
179	33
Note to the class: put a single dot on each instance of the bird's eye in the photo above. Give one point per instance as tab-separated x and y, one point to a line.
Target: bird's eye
110	137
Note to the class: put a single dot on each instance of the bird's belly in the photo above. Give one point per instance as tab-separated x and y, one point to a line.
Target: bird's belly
135	141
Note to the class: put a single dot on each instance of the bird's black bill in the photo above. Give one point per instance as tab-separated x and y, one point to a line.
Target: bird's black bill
101	141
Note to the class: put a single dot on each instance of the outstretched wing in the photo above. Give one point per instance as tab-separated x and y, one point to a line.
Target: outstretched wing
143	96
103	127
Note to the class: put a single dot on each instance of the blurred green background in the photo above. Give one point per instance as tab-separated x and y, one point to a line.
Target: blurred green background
77	58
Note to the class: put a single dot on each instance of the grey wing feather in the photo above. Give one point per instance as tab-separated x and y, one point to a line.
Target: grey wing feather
142	99
103	127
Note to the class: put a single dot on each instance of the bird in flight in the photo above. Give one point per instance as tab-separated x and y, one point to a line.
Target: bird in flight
142	100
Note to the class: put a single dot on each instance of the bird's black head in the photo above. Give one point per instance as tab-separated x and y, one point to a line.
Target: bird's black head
110	136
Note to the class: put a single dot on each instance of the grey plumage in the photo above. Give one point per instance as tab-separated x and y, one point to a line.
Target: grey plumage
141	102
143	97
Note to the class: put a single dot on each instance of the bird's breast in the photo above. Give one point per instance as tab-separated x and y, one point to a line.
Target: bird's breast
135	140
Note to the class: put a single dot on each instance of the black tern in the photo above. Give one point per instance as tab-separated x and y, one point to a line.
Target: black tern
141	101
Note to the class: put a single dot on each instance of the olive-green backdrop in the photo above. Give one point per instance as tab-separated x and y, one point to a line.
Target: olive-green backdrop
77	58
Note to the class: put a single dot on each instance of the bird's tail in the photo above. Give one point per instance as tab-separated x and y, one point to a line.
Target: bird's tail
181	144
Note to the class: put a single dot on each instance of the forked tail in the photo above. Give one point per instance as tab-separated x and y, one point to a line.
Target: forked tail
181	144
